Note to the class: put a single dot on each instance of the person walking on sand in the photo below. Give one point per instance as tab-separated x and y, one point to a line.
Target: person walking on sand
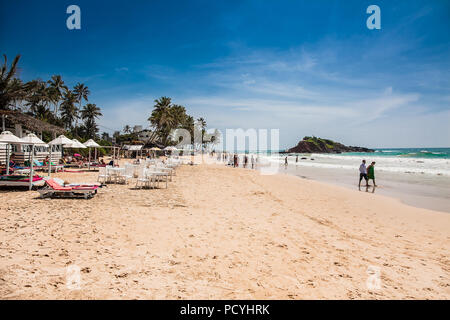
363	173
371	173
245	161
252	160
285	163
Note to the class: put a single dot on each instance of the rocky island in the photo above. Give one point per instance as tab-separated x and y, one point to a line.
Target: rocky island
319	145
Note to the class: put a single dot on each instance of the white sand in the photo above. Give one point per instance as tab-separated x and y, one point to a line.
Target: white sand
222	233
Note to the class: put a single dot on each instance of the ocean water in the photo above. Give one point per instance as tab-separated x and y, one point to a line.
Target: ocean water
405	161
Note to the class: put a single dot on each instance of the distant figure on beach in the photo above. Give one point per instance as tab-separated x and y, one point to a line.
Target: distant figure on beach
252	160
235	161
296	159
245	161
285	162
371	173
363	173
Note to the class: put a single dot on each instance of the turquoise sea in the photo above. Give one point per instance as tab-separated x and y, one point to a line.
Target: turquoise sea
427	153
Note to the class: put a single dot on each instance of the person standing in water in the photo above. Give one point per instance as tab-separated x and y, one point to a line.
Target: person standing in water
285	162
296	159
363	173
371	173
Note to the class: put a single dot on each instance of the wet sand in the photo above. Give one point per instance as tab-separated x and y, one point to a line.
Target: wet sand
423	191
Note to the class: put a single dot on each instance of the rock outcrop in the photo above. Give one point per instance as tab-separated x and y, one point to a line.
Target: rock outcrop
319	145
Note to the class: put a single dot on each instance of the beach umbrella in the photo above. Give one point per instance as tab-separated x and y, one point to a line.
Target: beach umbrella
62	140
91	144
33	140
76	145
8	138
171	148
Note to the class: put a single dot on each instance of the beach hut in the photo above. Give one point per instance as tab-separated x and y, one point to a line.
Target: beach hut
8	138
91	144
32	140
62	140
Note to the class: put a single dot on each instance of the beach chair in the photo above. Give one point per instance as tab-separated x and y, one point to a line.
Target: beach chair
55	190
102	175
127	175
142	180
158	176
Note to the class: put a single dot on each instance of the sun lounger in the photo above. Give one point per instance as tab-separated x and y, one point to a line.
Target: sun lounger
55	189
20	181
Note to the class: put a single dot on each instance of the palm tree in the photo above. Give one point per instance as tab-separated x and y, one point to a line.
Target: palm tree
201	123
10	90
105	136
127	129
56	87
38	96
69	111
89	113
162	118
81	92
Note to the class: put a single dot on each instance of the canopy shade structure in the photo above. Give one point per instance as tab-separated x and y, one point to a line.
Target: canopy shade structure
132	147
155	149
91	144
8	138
171	148
33	140
61	140
76	145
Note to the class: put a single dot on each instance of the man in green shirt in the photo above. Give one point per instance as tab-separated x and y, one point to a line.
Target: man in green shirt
371	173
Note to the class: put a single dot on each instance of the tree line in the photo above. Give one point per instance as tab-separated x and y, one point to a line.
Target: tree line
54	102
51	101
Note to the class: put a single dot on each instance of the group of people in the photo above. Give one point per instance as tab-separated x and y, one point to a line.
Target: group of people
367	173
233	159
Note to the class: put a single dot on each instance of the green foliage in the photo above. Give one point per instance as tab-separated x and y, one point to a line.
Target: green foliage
330	144
50	101
167	117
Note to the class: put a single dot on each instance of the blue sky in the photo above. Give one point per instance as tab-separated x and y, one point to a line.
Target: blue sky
305	67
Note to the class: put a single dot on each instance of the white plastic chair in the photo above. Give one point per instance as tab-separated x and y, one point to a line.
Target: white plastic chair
126	176
142	180
102	175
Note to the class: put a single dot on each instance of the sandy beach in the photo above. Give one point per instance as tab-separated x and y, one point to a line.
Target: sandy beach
222	233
